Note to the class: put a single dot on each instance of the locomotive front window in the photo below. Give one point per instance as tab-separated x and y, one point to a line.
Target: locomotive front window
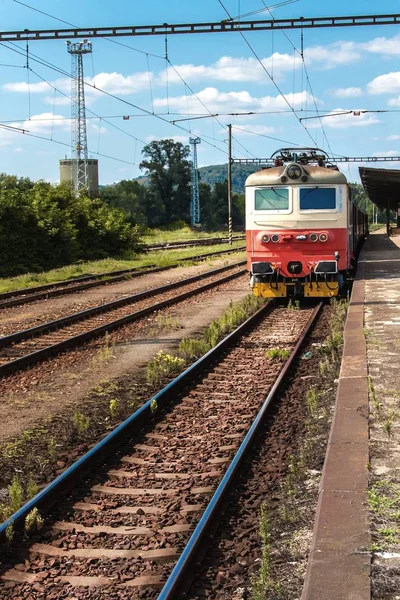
317	198
272	199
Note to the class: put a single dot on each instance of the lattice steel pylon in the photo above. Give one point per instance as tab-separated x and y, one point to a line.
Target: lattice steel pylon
195	202
78	110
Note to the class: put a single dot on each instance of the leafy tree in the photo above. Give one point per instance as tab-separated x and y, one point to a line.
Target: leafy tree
44	226
214	207
169	179
129	196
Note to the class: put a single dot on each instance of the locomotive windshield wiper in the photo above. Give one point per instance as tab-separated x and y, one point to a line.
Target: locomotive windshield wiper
309	191
279	195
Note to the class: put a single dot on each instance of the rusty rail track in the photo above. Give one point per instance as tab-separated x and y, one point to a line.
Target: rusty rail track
130	524
62	288
25	348
192	243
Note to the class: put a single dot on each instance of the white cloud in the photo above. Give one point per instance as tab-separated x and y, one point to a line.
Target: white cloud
394	101
344	121
44	123
350	92
382	45
393	137
217	101
228	68
58	100
333	55
116	83
389	83
23	87
97	128
183	139
41	124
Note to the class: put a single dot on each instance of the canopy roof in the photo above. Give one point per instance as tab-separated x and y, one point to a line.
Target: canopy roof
382	186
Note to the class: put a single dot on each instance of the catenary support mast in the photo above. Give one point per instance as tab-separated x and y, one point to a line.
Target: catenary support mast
195	202
79	135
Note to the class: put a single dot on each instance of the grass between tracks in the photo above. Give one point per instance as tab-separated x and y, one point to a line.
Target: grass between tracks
286	520
161	258
181	234
41	453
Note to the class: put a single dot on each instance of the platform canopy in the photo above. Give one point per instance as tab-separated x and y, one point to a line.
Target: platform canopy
382	186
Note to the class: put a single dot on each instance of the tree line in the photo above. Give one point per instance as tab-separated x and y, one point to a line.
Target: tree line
165	196
43	226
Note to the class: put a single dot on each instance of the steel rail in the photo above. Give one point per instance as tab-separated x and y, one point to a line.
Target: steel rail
26	295
224	26
71	342
181	576
190	243
52	493
25	334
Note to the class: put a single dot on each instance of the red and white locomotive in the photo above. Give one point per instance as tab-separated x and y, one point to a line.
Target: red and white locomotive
302	230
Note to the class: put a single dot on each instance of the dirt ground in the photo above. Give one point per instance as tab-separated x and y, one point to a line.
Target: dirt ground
45	390
29	315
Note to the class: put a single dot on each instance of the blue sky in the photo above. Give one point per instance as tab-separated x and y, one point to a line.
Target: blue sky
349	69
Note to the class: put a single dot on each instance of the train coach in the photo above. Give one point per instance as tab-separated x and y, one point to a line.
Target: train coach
303	231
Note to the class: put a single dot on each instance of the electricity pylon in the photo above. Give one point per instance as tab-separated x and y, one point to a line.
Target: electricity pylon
195	202
79	135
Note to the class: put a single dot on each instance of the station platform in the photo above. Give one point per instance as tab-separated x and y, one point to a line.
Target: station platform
364	442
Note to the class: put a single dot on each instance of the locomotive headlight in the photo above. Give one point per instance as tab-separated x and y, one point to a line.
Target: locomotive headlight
275	238
323	237
294	172
313	237
265	238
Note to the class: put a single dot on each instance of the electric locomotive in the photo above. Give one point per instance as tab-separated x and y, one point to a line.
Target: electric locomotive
302	230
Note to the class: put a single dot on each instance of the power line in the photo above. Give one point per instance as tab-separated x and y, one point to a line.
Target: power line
42	12
270	77
134	49
224	26
40	137
239	128
301	54
137	107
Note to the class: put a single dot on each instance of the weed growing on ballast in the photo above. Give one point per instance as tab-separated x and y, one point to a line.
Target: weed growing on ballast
16	494
166	323
113	407
81	422
32	487
292	306
312	401
279	353
262	583
163	365
10	533
33	521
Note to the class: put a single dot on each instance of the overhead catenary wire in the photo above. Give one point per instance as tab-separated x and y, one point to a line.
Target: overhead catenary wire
45	63
42	12
131	48
264	135
269	75
301	54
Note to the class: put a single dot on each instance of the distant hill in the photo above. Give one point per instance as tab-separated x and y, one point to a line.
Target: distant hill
213	174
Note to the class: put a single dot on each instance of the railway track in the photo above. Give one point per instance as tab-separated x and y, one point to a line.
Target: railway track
192	243
24	348
52	290
137	525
